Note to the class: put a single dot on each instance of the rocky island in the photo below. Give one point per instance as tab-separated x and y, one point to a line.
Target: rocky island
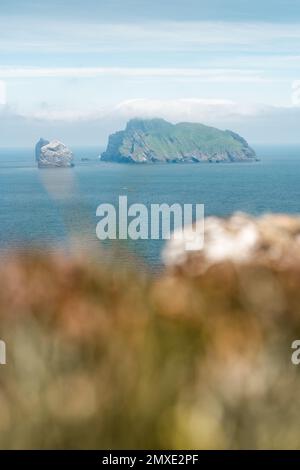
157	140
53	154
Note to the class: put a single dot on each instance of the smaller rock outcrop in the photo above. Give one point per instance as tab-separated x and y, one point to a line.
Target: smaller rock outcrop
53	154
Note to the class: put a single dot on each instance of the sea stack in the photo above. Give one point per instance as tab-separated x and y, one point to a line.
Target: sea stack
156	140
53	154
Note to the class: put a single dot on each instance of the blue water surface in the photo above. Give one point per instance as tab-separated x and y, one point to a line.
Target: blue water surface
50	208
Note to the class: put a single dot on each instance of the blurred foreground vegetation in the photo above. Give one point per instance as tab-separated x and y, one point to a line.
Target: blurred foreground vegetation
102	357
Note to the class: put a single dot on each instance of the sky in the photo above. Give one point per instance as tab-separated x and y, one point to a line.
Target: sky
77	70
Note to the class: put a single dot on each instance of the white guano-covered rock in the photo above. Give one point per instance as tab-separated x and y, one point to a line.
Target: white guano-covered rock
53	154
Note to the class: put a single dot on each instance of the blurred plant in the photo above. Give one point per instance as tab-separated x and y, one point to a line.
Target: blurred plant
104	357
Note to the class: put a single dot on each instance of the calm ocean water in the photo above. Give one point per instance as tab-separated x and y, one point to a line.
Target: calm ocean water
47	208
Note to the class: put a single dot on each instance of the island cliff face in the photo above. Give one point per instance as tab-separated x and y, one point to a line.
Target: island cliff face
156	140
53	154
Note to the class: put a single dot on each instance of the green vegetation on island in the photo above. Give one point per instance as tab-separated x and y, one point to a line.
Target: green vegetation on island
156	140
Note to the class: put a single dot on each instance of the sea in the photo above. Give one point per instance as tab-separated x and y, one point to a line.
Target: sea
56	209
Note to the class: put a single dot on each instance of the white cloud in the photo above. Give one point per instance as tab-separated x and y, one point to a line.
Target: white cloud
201	110
190	109
201	74
64	115
46	36
2	92
296	93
